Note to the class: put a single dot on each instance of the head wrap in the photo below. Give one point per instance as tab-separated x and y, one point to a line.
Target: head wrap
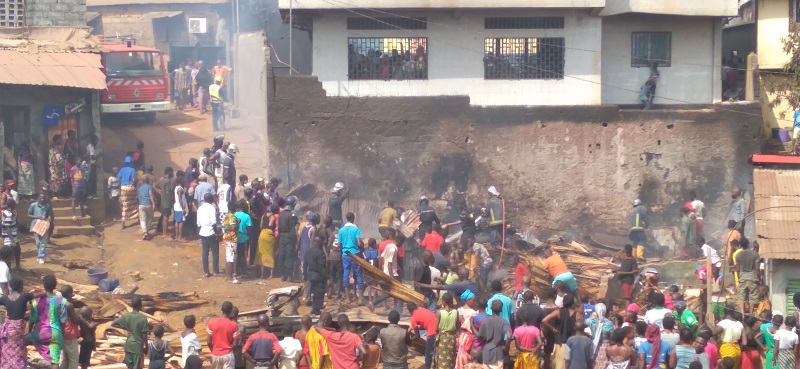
653	335
467	295
633	308
600	309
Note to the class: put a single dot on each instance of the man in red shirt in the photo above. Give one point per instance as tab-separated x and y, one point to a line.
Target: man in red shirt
433	241
262	348
222	332
424	319
346	347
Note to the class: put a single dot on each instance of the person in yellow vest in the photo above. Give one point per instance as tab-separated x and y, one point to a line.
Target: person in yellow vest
638	222
217	107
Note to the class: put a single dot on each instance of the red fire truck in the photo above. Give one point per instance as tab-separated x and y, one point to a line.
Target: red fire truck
136	80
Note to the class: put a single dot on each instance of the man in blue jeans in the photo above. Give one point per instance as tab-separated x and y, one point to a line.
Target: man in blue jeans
350	239
207	219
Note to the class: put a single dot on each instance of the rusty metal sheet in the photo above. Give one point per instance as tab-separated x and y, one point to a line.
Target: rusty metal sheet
79	70
777	222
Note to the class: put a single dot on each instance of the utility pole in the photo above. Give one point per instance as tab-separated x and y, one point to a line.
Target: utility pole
291	31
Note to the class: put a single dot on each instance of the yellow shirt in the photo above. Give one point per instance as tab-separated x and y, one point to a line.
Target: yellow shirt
318	350
728	238
387	217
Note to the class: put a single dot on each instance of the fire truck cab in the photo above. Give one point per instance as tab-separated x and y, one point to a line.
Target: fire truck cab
136	80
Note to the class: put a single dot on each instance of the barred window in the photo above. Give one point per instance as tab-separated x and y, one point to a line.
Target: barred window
363	23
387	58
794	14
524	58
12	13
651	47
523	22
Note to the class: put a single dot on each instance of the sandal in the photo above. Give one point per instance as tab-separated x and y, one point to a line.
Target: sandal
236	281
261	283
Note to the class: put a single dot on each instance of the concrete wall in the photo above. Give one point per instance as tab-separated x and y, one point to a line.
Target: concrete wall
455	60
59	13
773	24
782	272
695	74
36	98
559	168
741	39
449	4
674	7
160	33
252	59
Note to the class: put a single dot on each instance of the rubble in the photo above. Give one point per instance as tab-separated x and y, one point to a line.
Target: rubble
592	267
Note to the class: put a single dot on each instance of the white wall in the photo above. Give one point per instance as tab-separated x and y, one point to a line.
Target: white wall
773	24
694	76
455	59
442	4
728	8
783	270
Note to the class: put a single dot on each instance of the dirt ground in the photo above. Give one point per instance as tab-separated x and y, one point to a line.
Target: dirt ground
163	265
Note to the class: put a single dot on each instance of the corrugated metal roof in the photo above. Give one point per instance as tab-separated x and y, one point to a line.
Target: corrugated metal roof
79	70
777	224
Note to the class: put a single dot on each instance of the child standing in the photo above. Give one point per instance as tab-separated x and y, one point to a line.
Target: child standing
371	256
88	335
243	236
179	208
78	178
373	355
9	230
190	344
114	193
158	349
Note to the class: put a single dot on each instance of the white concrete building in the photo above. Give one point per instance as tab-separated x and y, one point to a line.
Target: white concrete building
513	52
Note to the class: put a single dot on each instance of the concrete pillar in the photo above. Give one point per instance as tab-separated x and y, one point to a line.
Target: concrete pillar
749	79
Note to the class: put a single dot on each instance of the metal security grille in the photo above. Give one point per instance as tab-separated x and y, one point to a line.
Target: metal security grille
651	47
523	23
12	13
523	58
387	58
794	14
363	23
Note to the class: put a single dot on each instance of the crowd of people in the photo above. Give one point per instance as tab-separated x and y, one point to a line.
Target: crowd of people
195	85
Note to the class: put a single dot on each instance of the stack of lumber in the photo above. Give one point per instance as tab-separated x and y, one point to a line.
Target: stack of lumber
387	284
107	307
408	223
591	267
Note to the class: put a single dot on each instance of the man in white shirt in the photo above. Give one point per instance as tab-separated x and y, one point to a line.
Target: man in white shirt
207	219
716	261
657	313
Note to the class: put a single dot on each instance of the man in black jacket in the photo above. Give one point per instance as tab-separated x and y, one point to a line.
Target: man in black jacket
338	195
317	274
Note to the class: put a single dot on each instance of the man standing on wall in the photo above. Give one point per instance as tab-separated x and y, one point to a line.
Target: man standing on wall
738	209
497	216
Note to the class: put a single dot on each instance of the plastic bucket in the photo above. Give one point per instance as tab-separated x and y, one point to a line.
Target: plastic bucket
785	135
108	285
776	133
96	274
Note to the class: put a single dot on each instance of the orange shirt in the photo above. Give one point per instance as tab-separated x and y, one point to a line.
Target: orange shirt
555	265
728	238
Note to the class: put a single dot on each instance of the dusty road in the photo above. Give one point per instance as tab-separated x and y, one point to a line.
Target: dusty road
178	136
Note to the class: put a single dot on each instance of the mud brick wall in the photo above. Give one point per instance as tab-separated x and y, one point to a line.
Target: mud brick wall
560	168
